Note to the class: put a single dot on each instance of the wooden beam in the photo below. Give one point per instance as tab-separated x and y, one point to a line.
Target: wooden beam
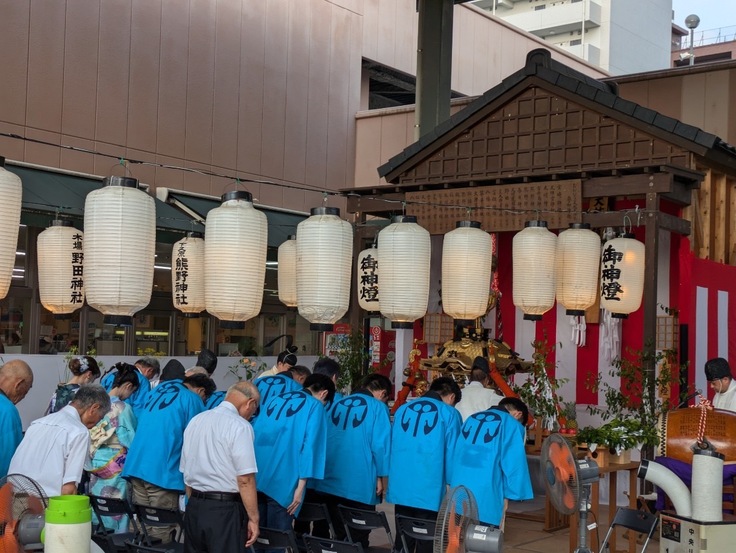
721	242
616	219
649	298
675	224
628	185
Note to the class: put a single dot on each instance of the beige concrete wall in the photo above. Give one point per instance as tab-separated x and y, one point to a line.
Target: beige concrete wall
264	89
703	96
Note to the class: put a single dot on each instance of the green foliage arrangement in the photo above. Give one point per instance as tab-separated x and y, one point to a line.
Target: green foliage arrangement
353	358
539	392
247	368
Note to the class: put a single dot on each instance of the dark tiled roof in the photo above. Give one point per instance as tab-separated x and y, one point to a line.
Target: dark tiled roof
539	64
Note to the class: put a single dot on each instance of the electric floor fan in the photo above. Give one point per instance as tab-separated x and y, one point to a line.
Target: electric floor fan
568	481
458	530
22	503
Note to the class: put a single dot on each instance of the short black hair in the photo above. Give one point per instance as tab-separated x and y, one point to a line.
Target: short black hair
201	381
376	382
207	360
326	366
444	386
316	383
300	370
516	404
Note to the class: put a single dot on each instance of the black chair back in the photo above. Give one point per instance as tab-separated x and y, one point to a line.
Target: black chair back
270	538
314	512
360	519
151	517
323	545
414	528
110	507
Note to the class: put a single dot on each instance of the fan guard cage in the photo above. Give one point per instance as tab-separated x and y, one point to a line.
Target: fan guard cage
458	510
560	474
19	496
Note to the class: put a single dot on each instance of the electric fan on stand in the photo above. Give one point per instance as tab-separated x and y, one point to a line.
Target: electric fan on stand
568	481
22	503
458	530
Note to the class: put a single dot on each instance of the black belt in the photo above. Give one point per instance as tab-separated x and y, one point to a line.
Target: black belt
217	496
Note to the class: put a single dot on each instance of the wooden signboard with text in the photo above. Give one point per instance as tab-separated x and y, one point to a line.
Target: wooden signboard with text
498	208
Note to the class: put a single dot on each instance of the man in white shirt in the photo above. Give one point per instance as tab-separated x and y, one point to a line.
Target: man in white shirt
219	466
476	397
55	447
718	374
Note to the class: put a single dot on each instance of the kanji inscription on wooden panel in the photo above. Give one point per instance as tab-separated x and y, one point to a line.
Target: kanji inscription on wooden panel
499	208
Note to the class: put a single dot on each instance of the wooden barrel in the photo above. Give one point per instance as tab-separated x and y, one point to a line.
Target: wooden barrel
678	430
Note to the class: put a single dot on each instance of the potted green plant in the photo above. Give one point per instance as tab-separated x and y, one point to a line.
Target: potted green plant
353	357
631	410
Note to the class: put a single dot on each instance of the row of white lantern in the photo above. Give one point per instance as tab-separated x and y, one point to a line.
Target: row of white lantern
11	192
571	268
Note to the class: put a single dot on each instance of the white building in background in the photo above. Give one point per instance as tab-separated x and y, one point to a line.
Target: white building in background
620	36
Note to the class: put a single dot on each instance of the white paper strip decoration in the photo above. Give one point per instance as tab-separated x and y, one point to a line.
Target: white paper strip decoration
324	256
534	251
11	192
404	250
367	280
187	274
287	272
466	271
119	249
236	242
622	275
578	268
60	251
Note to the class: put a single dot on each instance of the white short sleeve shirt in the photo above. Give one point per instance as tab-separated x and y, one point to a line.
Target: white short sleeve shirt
53	451
218	447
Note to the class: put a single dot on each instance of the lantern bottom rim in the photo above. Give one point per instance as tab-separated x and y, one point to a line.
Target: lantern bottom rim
62	316
620	315
233	325
464	322
321	327
401	324
191	315
531	317
118	320
575	312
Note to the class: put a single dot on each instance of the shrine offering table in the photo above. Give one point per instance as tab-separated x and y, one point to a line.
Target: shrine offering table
612	471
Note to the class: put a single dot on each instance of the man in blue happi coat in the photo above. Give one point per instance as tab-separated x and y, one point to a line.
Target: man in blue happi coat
274	385
489	459
358	448
290	446
152	464
16	379
147	368
422	440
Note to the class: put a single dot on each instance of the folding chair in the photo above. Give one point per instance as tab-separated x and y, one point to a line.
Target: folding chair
323	545
110	507
637	521
315	512
359	519
270	538
155	517
414	528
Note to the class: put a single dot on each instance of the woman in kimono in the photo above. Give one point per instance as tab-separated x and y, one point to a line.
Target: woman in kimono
85	370
109	444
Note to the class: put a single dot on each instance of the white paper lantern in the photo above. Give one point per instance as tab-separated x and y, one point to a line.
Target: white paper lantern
466	271
236	242
367	280
187	274
119	249
324	258
404	249
287	272
578	264
60	250
534	251
622	275
11	195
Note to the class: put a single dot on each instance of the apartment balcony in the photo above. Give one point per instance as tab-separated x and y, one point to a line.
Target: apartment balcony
588	52
547	20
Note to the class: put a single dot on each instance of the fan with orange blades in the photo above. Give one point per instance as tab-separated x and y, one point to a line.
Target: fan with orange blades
568	481
22	503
